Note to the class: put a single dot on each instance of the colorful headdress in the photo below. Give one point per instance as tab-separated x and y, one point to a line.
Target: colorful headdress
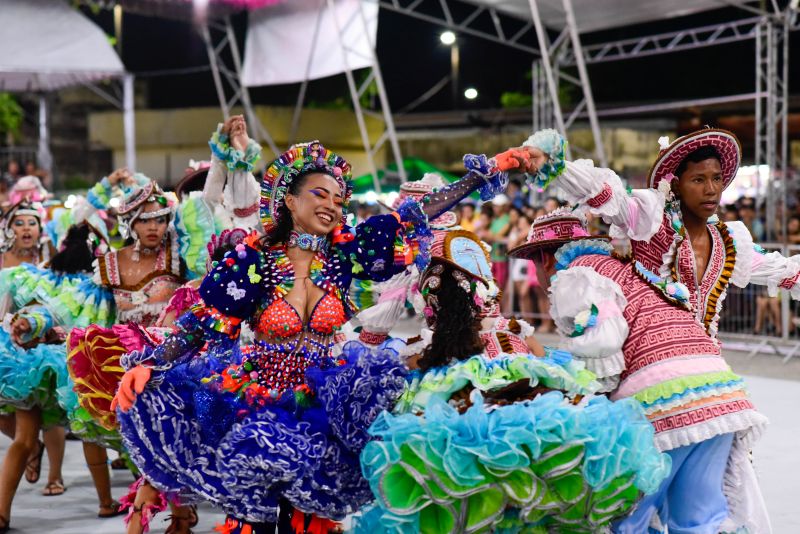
227	238
133	204
300	159
27	188
671	156
24	207
553	230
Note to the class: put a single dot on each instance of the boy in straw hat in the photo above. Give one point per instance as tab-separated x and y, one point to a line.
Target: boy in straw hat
638	334
672	224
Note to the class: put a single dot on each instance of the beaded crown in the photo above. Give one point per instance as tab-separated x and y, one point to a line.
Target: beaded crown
300	159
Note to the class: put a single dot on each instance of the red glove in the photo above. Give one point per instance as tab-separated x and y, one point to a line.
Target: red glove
511	159
132	384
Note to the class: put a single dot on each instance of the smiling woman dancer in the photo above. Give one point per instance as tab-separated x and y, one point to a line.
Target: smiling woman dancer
282	425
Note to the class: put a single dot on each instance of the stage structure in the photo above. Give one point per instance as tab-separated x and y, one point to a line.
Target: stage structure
45	46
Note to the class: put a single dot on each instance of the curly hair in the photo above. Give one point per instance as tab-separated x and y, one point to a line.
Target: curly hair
456	326
75	255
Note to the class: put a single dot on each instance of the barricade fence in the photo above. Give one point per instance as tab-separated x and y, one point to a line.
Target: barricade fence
751	320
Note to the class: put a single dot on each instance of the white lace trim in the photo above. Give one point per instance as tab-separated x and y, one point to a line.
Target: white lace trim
140	312
743	243
746	507
607	367
748	423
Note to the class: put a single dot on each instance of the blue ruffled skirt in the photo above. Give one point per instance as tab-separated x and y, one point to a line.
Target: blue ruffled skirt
36	377
200	443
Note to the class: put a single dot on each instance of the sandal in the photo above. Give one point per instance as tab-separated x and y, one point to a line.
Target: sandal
54	488
33	469
119	464
177	522
115	508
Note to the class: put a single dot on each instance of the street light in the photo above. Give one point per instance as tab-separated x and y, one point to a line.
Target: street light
448	38
470	93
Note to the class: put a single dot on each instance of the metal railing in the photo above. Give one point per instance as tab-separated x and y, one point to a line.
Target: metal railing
751	321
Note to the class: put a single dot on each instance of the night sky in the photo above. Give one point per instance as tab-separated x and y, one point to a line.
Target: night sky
413	59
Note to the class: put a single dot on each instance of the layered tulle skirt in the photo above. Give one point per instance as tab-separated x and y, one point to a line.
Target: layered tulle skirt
36	378
561	462
93	360
200	442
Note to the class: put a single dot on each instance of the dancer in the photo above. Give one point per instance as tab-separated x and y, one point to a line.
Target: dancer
292	286
491	434
672	226
142	277
638	333
33	372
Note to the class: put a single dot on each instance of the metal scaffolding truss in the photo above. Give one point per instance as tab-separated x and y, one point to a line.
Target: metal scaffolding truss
716	34
473	19
546	87
219	36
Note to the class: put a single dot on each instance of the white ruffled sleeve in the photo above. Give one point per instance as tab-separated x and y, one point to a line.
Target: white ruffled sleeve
756	266
636	215
587	309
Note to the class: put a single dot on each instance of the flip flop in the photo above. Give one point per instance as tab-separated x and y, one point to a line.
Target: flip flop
117	510
53	489
35	465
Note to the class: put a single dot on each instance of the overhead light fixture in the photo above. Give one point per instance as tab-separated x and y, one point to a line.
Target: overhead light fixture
447	38
470	93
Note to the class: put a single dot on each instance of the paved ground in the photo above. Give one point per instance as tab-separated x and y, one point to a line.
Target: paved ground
775	388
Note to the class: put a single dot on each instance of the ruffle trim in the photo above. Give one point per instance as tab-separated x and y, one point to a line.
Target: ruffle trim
609	366
749	426
743	244
678	386
232	158
413	242
554	146
566	374
693	394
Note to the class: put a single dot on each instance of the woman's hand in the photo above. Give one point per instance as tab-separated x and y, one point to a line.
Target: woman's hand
131	385
238	135
121	175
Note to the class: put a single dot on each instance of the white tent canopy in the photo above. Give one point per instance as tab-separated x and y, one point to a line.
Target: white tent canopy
595	15
47	45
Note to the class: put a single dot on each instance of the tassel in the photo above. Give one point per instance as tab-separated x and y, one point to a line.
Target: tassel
136	248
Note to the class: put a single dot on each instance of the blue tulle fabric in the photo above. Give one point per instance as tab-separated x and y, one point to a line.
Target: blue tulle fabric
200	443
455	459
36	377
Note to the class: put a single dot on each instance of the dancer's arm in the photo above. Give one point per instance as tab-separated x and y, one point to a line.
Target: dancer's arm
590	318
754	265
231	188
638	213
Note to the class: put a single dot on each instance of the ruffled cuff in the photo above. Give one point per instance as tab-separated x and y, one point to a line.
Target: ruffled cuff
413	241
554	146
100	195
234	159
494	180
745	253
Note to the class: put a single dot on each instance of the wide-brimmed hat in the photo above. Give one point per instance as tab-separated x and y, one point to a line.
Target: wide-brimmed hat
671	156
553	230
417	189
464	251
194	178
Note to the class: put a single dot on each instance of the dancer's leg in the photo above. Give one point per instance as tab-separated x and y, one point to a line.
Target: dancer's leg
54	442
97	460
26	435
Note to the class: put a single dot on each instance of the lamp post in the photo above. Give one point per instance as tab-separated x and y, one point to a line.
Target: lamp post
448	38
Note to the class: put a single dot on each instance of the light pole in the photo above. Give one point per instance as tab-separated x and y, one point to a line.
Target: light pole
449	38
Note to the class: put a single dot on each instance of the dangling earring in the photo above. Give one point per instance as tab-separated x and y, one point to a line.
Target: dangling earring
137	246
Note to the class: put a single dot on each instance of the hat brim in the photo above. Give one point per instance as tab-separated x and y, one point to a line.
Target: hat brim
528	250
726	143
454	265
194	181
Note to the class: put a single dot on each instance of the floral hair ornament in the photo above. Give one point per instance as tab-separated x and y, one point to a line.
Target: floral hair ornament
302	158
